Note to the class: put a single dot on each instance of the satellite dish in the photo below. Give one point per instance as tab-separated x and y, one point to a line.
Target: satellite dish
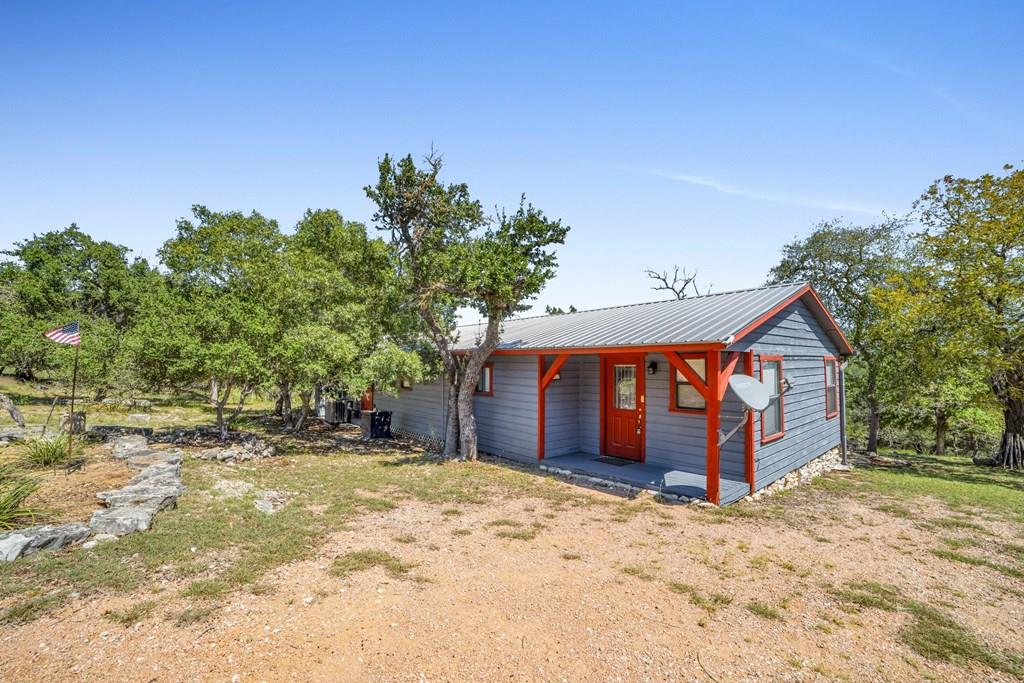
754	394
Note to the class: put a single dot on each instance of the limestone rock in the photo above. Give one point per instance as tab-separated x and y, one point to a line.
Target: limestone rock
122	520
270	502
127	445
140	460
15	544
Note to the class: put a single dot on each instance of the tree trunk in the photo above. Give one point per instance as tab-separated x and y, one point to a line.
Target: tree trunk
300	422
874	416
467	387
451	427
1011	446
214	390
941	427
7	404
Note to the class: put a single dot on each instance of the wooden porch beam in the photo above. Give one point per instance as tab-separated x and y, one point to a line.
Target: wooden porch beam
553	370
730	366
677	362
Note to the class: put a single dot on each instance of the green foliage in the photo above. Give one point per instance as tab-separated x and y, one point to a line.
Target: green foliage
15	488
361	560
132	615
44	452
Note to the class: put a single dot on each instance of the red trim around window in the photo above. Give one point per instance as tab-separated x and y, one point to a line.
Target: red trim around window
835	364
489	368
782	407
672	408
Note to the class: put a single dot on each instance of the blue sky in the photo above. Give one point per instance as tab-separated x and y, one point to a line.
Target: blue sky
663	134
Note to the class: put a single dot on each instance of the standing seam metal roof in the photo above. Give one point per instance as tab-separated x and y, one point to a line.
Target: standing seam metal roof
702	319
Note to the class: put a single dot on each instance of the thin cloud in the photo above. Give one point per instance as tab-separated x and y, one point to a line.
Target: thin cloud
808	202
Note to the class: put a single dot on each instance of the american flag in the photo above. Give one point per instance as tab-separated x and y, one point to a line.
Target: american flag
66	335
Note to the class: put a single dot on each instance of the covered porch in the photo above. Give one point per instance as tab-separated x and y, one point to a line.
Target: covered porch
626	407
652	477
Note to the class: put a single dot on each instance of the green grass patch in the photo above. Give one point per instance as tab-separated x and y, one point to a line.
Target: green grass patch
132	615
451	512
522	533
710	602
404	538
638	572
895	510
929	632
462	532
206	588
361	560
26	609
15	488
764	611
194	615
974	561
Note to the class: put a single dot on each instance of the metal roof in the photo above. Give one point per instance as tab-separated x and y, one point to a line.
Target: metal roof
713	318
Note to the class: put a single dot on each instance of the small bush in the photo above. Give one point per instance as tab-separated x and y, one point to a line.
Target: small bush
14	489
194	615
47	452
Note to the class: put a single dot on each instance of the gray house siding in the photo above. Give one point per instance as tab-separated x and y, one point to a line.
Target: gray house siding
795	334
507	421
418	412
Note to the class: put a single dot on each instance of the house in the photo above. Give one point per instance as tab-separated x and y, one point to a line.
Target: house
639	394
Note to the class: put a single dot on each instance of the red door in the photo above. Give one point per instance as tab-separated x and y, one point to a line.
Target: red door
622	378
366	402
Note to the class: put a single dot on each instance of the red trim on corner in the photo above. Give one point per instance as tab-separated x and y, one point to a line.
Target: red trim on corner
806	289
835	364
782	399
748	429
713	420
490	391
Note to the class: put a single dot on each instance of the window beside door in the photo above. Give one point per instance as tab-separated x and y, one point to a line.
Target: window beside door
773	417
685	397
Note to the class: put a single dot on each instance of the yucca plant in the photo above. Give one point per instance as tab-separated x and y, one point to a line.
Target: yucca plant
15	487
47	452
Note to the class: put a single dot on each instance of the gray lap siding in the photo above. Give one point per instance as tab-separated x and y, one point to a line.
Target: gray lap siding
796	335
507	421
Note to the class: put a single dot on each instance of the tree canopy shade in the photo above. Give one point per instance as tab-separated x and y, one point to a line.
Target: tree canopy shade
449	255
65	275
971	276
845	263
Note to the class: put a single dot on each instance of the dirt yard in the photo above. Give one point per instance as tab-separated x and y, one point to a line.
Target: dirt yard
394	566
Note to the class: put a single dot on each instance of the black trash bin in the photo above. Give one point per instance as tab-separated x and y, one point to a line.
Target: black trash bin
376	424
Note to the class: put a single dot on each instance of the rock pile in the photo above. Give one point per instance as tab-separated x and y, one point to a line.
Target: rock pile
12	434
239	447
156	487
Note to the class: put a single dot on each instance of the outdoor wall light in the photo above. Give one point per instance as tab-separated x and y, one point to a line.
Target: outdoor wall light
652	367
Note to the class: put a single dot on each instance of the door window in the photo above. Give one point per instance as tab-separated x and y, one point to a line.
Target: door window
624	395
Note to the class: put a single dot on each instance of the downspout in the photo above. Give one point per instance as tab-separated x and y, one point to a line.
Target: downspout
842	413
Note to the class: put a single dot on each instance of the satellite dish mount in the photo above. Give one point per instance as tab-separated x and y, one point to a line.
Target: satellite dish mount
753	394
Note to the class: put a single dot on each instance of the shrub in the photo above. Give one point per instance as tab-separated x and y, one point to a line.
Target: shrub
14	489
47	452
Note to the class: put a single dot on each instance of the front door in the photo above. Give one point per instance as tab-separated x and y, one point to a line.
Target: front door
623	396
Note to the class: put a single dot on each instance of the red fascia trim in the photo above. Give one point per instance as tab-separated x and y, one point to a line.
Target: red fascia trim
782	400
490	391
835	363
712	418
806	289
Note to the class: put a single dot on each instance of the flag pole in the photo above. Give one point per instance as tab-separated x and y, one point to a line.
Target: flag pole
71	417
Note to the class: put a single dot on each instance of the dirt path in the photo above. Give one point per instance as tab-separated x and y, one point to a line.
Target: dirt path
589	598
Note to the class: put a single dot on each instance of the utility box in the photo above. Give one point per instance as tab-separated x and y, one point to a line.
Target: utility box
376	424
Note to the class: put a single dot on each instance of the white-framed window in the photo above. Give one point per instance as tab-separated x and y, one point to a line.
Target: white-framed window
485	385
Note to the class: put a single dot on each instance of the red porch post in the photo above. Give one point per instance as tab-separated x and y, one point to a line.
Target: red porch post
713	414
543	380
748	430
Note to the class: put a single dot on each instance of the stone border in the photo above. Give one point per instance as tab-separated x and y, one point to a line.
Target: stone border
824	463
129	508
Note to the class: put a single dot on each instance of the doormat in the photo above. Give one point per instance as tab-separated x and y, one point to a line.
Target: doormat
611	460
